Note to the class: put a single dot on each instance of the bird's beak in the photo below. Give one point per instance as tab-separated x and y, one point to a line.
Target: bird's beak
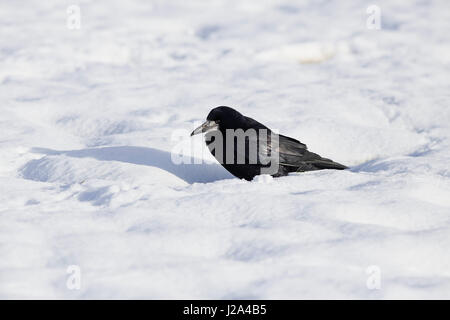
207	126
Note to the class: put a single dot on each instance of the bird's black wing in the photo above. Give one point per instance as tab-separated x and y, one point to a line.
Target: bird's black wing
295	156
290	153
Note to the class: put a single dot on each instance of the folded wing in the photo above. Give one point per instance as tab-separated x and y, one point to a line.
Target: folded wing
295	154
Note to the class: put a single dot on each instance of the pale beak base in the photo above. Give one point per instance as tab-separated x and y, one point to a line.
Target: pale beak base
207	126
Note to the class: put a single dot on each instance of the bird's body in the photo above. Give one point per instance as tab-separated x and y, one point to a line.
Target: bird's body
259	144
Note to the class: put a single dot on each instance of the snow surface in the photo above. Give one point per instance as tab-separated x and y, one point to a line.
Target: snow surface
90	119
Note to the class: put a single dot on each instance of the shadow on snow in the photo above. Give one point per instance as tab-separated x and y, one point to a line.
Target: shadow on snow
189	172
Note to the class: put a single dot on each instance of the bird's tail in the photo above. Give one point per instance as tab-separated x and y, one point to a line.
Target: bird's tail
316	162
328	164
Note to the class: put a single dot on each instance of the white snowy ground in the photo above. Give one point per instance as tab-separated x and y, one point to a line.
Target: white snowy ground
87	118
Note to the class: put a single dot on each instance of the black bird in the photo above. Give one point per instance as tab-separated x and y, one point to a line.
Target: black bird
288	154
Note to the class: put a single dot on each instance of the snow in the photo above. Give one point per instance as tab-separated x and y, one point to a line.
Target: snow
92	118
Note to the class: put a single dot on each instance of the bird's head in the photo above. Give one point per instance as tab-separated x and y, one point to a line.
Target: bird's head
220	118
